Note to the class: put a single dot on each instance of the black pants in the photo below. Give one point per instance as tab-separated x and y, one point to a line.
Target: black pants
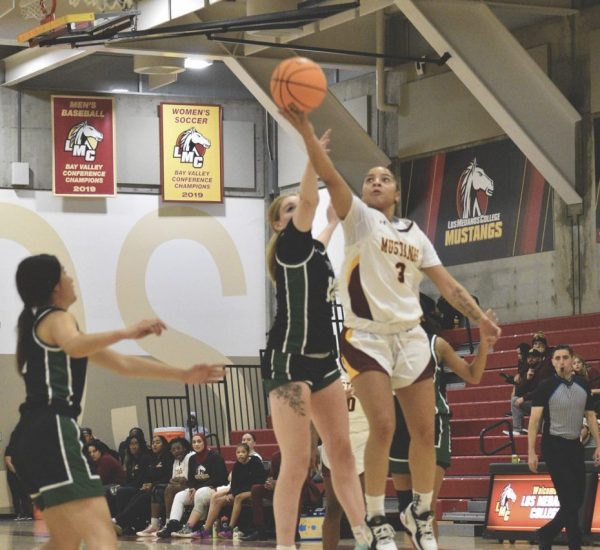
20	498
566	465
136	512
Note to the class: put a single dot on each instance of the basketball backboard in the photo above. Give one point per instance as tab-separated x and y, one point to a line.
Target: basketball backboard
75	27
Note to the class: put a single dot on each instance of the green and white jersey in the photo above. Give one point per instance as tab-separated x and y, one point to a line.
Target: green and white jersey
53	379
305	285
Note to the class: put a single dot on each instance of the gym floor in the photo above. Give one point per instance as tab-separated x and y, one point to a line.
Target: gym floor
29	534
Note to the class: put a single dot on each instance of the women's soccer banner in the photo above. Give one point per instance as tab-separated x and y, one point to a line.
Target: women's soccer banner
480	203
83	152
191	157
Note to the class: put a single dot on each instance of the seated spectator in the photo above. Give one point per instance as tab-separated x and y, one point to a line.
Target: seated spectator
522	351
249	439
109	469
537	370
180	449
206	471
137	462
259	492
150	495
450	316
193	427
580	367
138	432
539	343
88	437
310	497
246	472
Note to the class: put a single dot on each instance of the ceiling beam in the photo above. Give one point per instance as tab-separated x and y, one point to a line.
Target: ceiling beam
32	62
499	72
348	137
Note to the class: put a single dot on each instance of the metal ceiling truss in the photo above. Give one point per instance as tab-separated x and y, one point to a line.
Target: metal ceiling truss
306	13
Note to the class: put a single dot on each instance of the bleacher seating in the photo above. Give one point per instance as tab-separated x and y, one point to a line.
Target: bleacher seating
476	407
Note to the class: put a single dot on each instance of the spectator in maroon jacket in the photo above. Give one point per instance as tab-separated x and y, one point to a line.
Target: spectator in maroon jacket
537	370
107	467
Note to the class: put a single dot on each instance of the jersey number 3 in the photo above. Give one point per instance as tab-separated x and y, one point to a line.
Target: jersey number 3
401	268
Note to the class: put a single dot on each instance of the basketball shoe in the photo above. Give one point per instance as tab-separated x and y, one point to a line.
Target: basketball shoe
420	528
383	534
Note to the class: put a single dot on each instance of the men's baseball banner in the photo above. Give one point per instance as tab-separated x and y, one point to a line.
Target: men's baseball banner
83	152
191	158
480	203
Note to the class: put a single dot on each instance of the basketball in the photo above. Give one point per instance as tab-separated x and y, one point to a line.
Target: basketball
298	82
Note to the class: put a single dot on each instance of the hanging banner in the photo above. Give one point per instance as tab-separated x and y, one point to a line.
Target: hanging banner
84	146
480	203
191	152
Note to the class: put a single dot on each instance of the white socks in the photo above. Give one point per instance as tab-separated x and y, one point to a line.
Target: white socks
422	502
375	505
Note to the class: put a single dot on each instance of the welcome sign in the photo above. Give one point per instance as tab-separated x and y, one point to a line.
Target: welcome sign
84	146
191	152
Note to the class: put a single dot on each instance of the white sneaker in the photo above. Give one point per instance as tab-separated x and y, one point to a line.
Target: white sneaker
420	528
383	533
148	532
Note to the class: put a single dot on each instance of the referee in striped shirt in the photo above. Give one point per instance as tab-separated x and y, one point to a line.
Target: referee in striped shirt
562	401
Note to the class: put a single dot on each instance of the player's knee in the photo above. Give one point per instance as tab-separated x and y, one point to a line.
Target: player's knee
382	430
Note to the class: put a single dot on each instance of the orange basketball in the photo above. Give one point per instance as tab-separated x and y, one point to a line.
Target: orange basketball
300	82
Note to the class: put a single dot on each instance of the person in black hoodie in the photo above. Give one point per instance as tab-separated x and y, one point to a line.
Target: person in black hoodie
247	471
206	472
137	462
150	495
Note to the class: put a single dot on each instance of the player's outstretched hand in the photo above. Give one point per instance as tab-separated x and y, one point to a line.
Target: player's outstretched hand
298	119
325	140
204	374
489	331
144	328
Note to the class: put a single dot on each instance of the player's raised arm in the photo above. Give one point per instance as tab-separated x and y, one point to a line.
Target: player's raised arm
339	190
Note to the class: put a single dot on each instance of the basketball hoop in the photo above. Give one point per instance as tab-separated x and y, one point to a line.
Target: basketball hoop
105	5
42	10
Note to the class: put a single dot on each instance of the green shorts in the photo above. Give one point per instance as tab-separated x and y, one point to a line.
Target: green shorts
401	443
48	457
280	368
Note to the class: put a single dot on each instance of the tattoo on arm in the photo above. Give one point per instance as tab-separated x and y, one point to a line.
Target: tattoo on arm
463	301
292	395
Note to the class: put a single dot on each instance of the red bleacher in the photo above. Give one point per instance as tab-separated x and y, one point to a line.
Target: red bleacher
476	407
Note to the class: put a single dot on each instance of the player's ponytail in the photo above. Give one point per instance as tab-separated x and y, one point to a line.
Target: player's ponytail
273	217
36	278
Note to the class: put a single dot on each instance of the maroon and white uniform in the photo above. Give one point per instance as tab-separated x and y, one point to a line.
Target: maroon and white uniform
379	289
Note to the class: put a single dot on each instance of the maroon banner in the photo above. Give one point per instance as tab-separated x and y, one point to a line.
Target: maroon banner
480	203
83	152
